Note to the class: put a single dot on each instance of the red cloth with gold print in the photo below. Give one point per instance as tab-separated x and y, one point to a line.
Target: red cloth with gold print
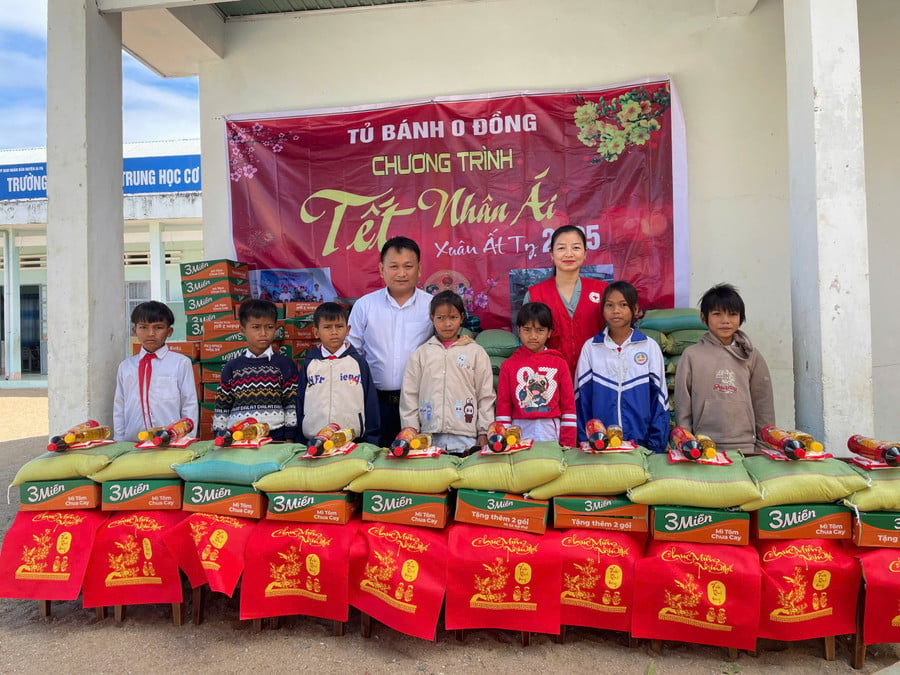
45	554
702	593
130	565
398	575
809	589
881	613
210	549
297	568
598	578
504	579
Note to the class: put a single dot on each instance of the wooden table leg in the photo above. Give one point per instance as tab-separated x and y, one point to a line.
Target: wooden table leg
632	641
44	608
732	653
178	613
257	624
366	625
337	628
197	600
829	647
859	647
561	637
526	638
119	612
460	634
101	613
656	646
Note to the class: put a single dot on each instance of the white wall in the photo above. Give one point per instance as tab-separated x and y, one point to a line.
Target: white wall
729	73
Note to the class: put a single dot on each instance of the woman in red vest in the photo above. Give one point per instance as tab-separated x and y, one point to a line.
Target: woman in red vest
574	301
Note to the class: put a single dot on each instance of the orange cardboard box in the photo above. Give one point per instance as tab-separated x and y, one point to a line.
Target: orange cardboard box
300	310
334	508
215	269
506	511
406	508
142	494
803	521
880	529
190	349
616	514
701	526
191	288
59	495
221	351
211	304
224	499
223	327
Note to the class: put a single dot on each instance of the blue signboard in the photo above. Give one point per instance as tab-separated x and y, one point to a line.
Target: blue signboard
140	175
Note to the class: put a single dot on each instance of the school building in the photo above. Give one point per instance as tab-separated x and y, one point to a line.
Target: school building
162	228
791	152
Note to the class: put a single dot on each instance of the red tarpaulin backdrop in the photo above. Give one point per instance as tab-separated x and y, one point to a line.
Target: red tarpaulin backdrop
809	589
129	563
502	579
598	578
703	593
479	182
295	568
210	549
45	553
398	575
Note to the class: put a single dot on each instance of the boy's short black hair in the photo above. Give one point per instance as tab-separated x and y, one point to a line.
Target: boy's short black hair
330	311
257	309
722	297
536	312
152	311
447	298
400	243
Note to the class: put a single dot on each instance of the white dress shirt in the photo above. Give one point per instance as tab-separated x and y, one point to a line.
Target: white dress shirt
172	394
387	333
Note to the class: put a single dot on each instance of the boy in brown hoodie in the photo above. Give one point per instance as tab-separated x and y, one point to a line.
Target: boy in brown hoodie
722	384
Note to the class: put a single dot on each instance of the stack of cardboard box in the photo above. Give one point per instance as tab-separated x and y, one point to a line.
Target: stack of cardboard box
299	337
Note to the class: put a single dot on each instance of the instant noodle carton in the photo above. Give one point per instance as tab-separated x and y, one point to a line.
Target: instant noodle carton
224	499
194	323
59	495
142	494
215	269
300	310
498	509
877	528
616	514
332	508
211	304
221	351
803	521
700	526
190	349
406	508
211	371
192	288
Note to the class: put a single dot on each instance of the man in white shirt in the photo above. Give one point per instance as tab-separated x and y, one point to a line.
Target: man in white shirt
387	325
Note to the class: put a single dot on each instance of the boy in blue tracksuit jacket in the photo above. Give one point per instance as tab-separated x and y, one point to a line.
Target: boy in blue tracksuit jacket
625	385
335	384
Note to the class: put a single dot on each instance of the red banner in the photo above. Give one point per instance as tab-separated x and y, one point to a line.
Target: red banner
881	614
129	563
707	594
293	568
809	589
480	183
210	549
598	578
45	554
503	579
398	576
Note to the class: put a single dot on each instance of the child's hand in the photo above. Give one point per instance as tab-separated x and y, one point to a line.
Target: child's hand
481	441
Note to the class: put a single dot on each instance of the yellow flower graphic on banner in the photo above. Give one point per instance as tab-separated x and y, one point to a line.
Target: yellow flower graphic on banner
614	123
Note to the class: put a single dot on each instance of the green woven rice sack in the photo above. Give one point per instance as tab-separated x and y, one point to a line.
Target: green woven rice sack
882	495
497	342
809	482
149	462
693	484
516	473
588	473
682	339
326	474
672	363
70	463
668	320
659	338
237	466
430	475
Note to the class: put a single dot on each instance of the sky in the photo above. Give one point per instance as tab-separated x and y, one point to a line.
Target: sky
154	108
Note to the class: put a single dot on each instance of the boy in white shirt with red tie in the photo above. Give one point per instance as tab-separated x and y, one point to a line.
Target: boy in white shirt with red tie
155	387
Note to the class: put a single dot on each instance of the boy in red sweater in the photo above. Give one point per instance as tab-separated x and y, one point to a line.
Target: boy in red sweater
535	390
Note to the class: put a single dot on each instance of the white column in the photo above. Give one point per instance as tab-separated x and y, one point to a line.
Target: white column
85	274
830	307
157	263
12	308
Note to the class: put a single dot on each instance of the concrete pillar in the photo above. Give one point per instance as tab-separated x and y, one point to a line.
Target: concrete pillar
85	274
830	308
12	308
157	263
